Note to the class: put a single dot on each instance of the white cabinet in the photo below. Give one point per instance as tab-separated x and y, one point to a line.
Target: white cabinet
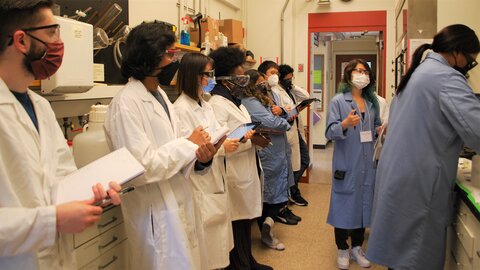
102	245
463	241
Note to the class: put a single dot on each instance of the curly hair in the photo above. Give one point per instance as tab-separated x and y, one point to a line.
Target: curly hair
226	60
368	92
252	91
145	47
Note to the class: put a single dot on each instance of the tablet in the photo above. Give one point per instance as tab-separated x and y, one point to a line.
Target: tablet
241	130
304	104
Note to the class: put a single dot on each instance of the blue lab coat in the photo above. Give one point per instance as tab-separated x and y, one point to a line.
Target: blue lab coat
275	158
429	122
352	198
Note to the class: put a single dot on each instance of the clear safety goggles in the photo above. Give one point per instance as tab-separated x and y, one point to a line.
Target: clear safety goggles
240	80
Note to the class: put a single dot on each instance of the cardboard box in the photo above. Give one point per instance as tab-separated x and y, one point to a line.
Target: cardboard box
233	30
206	23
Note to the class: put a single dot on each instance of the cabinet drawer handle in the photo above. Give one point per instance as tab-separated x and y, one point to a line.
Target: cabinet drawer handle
101	226
101	267
455	259
459	234
462	214
108	244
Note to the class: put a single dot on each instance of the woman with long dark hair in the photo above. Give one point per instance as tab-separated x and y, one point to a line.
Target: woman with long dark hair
352	121
433	114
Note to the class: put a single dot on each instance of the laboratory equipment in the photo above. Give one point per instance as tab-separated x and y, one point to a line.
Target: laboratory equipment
76	73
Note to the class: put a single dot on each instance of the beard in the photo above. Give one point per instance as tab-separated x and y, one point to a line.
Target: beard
34	54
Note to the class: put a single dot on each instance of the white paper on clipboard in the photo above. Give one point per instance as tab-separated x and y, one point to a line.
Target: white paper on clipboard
119	166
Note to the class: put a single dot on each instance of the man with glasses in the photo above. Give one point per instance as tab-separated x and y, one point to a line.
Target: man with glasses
33	153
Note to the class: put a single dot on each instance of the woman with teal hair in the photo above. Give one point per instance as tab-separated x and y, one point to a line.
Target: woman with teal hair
352	123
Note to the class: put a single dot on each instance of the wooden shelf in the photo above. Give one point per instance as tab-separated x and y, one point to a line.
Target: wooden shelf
187	48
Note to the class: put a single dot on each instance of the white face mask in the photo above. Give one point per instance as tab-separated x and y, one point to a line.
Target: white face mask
360	80
273	80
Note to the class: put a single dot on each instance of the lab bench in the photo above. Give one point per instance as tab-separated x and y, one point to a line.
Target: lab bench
463	236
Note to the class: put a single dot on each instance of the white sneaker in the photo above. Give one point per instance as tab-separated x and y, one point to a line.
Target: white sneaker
267	236
359	257
343	259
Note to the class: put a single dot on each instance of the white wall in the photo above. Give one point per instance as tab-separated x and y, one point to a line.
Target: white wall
167	10
452	12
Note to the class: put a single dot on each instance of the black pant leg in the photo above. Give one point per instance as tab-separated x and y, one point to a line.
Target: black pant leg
241	254
358	236
341	237
304	163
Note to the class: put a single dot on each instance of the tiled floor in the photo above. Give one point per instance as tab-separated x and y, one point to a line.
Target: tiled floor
310	245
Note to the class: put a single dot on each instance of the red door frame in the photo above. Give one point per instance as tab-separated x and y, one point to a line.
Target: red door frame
346	22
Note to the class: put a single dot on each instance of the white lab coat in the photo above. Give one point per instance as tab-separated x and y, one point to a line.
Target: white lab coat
243	182
300	95
292	134
159	215
384	108
210	192
30	164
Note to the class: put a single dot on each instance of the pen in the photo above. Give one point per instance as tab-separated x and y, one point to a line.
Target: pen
108	200
270	143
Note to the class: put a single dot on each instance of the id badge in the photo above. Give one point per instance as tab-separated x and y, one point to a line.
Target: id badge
366	136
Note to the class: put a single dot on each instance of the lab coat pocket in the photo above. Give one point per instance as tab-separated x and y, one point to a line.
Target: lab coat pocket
214	209
345	186
171	242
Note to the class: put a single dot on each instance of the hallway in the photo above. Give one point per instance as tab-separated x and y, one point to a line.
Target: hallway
310	245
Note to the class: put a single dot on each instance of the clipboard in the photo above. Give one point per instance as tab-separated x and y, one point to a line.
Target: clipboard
120	166
241	130
300	106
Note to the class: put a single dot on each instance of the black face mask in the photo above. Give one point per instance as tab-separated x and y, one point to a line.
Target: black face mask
236	90
471	63
166	74
287	84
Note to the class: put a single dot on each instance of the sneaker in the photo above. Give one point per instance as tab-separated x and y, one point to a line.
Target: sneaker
284	217
359	257
267	236
298	200
291	215
343	259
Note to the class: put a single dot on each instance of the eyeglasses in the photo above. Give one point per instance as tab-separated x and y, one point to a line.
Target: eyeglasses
54	30
240	80
471	62
208	74
172	53
362	71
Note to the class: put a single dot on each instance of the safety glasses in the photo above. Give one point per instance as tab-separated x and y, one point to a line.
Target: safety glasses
53	28
208	74
173	53
471	62
240	80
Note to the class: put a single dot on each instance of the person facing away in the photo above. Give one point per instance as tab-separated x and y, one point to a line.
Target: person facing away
433	114
209	191
34	156
159	215
352	122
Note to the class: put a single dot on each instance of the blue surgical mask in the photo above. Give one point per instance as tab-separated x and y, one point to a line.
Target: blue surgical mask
211	84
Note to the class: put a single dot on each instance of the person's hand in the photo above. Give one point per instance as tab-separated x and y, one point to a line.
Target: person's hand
248	135
260	140
276	110
351	120
230	145
199	136
74	217
293	117
99	193
379	129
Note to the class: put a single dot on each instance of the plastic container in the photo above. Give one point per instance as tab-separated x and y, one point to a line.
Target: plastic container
185	33
91	144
